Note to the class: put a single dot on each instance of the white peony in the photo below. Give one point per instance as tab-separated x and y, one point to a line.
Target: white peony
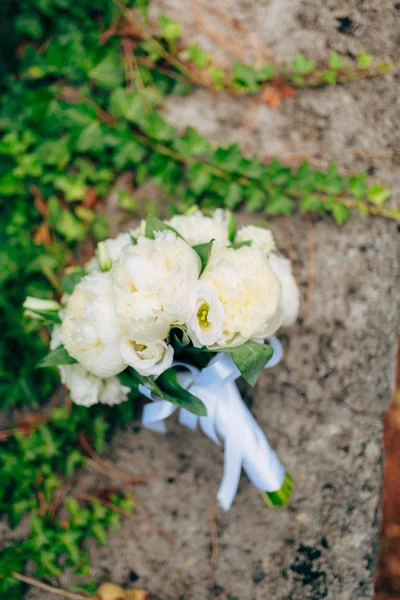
260	238
248	291
290	297
208	315
199	229
113	392
153	281
91	331
151	359
113	248
85	388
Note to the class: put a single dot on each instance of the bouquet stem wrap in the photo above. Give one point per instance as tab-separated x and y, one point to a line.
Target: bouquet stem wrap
228	419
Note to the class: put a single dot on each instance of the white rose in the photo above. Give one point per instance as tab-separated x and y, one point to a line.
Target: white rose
86	389
248	290
153	281
151	359
208	315
91	331
199	229
260	238
290	297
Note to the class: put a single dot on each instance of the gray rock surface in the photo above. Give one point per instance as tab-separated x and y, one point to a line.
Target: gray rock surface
322	407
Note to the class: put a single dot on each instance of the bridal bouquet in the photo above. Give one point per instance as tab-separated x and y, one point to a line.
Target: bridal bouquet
178	310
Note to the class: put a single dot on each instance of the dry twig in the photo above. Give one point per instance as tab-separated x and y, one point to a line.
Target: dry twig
48	588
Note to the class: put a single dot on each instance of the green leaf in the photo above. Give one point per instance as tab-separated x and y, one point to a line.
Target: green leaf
99	533
29	24
255	199
153	225
245	76
336	62
204	252
340	213
198	56
175	393
90	138
250	358
364	60
70	227
303	65
217	76
330	77
311	204
108	72
266	73
378	194
234	195
192	144
71	278
232	227
237	245
170	30
56	357
199	178
358	185
279	204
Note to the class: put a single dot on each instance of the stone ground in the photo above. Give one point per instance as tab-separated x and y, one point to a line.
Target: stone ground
323	406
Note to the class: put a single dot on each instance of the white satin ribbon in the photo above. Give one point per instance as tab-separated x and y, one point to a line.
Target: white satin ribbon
227	418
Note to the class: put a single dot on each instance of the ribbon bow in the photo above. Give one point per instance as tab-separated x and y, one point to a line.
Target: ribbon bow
228	418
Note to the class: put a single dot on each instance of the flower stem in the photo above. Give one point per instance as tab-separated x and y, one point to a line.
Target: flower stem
282	496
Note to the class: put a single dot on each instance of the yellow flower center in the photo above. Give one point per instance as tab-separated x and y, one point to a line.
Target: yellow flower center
202	315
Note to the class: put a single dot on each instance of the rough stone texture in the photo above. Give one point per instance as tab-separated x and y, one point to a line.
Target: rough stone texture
322	407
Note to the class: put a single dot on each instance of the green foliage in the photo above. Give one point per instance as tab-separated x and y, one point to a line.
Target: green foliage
34	469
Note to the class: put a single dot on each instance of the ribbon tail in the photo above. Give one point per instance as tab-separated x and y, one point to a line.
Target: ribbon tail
231	477
188	419
155	413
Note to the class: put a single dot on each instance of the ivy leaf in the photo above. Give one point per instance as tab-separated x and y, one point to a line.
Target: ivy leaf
198	56
302	64
340	213
175	393
311	204
108	72
245	76
266	73
330	76
56	357
250	358
280	204
234	195
358	185
336	62
217	76
170	29
192	144
364	60
204	252
378	194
